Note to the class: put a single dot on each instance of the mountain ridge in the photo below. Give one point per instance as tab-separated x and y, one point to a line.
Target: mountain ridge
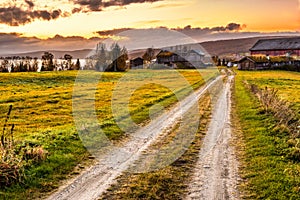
214	48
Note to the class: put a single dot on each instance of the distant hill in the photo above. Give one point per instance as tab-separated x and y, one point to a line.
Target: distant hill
220	48
57	54
234	46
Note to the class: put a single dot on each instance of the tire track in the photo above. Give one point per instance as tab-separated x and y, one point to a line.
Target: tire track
216	172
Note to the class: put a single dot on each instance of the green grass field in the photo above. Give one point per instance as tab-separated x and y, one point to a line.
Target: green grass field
266	165
287	83
42	114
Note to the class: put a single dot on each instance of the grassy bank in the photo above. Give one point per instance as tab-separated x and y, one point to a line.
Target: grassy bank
266	166
42	114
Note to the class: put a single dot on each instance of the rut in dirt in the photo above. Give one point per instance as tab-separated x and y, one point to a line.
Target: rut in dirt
216	172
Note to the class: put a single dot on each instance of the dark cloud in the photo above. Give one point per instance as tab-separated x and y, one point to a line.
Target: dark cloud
93	5
12	43
76	10
112	32
15	39
186	30
228	27
99	5
233	27
30	3
15	16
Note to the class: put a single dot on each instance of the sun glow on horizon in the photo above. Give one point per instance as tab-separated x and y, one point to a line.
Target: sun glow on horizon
280	16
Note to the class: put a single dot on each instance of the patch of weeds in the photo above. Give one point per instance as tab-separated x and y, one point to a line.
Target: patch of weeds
267	169
15	157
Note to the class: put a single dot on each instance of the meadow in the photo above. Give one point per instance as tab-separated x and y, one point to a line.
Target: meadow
287	83
268	153
42	115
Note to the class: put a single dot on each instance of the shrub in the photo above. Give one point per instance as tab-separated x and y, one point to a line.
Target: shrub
287	121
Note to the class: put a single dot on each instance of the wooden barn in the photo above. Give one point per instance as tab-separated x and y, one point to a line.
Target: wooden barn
189	59
168	58
267	62
277	47
253	63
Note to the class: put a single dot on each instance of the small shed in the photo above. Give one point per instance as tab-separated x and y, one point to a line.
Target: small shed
253	63
137	63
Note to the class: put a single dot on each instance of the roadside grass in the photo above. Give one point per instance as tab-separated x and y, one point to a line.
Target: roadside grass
169	182
287	83
42	116
267	170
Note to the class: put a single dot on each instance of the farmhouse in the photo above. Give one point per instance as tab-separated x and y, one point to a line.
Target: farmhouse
267	62
168	58
187	59
277	47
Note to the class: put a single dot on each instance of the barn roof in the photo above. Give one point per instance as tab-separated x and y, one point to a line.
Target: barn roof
197	51
277	44
165	54
264	59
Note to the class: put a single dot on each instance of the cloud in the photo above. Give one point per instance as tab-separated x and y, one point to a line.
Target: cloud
112	32
99	5
30	3
12	43
228	27
186	30
16	13
233	27
15	16
169	5
147	22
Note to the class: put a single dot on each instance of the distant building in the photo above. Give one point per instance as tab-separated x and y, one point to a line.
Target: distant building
136	58
277	47
268	62
169	58
181	59
137	63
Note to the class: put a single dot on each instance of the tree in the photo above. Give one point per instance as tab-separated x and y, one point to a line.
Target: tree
47	61
116	52
101	58
149	55
77	65
68	58
118	64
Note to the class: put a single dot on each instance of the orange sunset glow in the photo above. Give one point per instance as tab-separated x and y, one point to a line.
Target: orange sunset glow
41	21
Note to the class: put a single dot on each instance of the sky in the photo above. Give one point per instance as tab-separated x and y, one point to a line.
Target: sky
29	25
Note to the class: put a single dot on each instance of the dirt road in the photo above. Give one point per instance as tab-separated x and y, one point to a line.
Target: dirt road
96	180
216	172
